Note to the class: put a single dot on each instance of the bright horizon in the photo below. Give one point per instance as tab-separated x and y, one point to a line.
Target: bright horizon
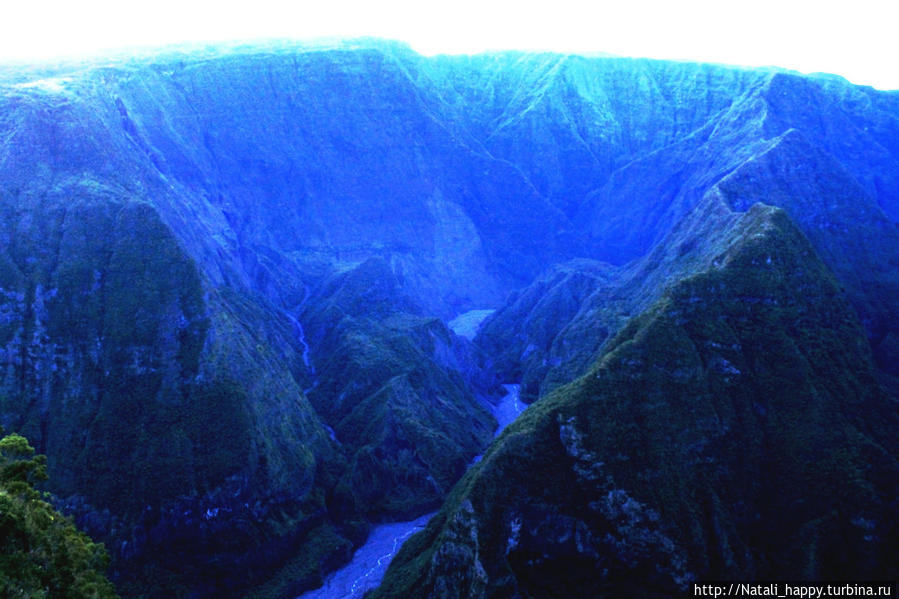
859	44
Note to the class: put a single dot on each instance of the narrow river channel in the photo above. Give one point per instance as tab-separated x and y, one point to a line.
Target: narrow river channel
369	563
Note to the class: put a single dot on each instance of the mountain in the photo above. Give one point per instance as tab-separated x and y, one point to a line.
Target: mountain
705	426
226	273
551	332
399	388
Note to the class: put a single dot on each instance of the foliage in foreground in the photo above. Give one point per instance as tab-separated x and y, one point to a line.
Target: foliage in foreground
42	554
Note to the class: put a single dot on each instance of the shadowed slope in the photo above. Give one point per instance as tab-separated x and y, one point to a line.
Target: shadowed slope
172	227
743	402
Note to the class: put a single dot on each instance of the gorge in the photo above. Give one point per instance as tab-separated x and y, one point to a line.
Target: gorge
258	300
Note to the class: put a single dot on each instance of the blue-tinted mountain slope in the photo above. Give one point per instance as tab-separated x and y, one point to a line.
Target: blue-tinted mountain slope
195	246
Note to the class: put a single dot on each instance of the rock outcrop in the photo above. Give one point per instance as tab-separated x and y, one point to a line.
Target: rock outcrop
736	428
225	272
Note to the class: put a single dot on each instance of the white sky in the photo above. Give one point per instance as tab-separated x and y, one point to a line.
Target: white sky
858	39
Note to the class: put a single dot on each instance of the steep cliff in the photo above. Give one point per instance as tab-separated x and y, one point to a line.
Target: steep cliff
734	429
849	230
225	272
398	388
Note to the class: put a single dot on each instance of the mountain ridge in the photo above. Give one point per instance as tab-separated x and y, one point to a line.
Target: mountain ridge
548	513
245	232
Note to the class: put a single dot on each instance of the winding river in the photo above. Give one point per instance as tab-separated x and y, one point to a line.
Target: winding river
365	571
369	563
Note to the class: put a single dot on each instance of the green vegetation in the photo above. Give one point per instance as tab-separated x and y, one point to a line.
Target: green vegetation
320	552
163	219
110	323
392	390
42	554
744	401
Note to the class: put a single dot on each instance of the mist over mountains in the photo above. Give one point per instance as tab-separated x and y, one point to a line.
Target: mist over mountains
226	278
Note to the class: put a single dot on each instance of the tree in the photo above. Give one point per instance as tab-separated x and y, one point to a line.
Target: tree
42	554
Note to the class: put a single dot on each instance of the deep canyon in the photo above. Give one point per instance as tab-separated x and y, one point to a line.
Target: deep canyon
228	276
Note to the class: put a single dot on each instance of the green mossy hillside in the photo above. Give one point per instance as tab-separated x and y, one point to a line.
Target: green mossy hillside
396	388
736	429
170	416
106	323
840	218
553	330
171	225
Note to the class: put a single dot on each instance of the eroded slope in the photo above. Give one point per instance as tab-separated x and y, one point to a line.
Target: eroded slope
744	401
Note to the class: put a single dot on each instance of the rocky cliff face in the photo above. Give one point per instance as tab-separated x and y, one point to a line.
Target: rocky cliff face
703	428
575	319
399	389
224	274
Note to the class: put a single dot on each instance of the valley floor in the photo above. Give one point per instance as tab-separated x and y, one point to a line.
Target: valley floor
365	571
